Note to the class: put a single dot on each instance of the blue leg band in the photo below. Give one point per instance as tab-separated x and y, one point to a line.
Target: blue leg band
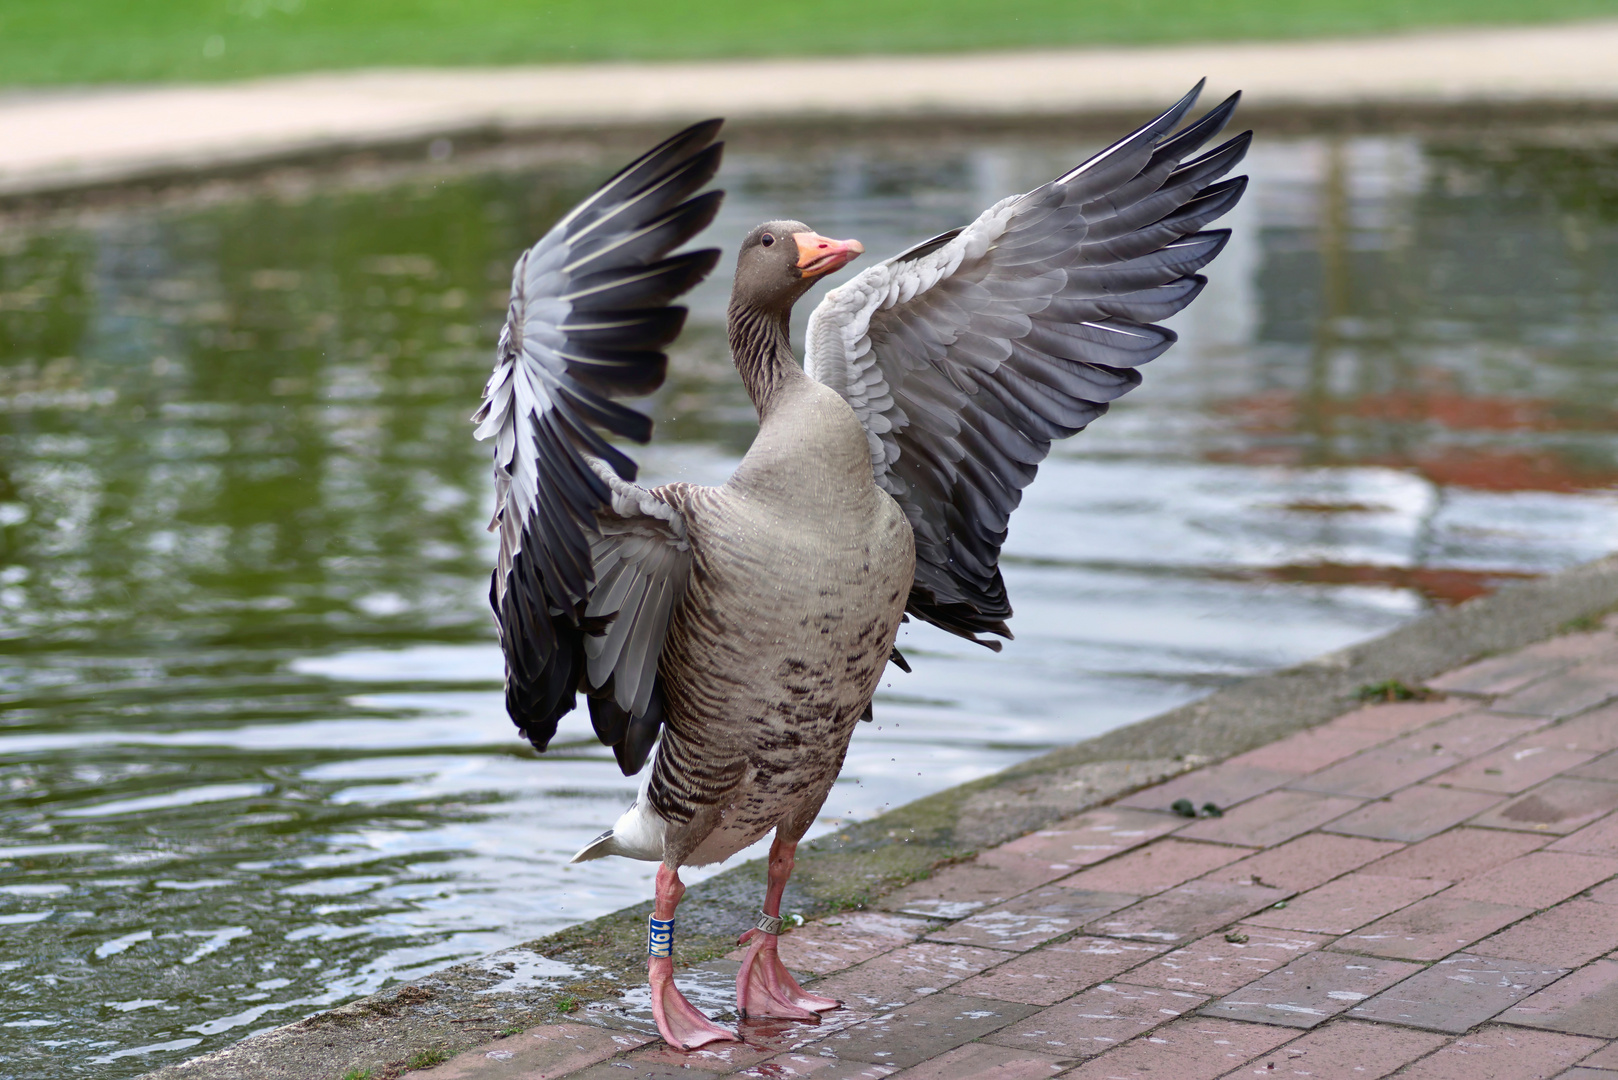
659	936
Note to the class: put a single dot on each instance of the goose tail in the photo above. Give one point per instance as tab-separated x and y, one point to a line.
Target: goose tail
599	848
638	834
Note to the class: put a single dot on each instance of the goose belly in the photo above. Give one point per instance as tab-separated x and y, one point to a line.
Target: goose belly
784	633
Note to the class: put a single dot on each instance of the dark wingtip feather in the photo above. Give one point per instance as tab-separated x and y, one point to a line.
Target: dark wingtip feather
641	735
1190	137
623	320
1147	134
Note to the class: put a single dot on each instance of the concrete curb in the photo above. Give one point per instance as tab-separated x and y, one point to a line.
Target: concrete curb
52	142
858	866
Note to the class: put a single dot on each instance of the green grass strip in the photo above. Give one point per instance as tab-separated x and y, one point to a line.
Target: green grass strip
100	41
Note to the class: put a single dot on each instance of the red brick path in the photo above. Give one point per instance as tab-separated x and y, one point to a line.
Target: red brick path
1422	890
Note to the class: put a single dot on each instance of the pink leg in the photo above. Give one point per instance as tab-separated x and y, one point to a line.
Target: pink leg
764	987
681	1023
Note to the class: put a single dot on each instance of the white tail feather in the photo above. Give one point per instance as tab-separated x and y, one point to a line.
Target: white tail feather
638	834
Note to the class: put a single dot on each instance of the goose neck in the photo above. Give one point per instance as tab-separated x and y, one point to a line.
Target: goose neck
761	348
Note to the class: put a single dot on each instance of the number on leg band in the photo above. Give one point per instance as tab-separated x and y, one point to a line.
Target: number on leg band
659	937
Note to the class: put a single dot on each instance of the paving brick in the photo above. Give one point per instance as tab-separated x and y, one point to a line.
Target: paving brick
1414	813
1475	733
903	975
1033	918
1566	693
1225	784
625	1069
1500	674
1604	767
540	1053
1596	731
1584	1003
1573	932
1605	1058
1432	928
956	891
1215	966
1270	819
1582	646
1604	894
1031	861
1514	768
1304	862
1501	1053
1458	993
1343	1050
827	945
1435	749
923	1030
1349	902
1537	880
714	1058
986	1061
1581	1073
1098	1019
1380	771
1050	974
1457	854
1557	806
1597	838
1310	749
793	1065
1311	989
1398	718
1090	837
1185	912
1195	1048
1160	865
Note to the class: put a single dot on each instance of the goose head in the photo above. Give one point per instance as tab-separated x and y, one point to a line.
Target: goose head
779	260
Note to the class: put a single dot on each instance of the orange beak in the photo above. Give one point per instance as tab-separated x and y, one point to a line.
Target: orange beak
820	255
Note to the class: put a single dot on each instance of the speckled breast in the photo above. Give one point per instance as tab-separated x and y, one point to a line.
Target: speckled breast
785	630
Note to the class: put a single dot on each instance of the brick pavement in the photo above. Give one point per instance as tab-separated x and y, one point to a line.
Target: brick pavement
1424	890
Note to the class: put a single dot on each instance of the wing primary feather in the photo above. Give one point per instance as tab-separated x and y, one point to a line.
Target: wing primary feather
1145	134
638	172
590	315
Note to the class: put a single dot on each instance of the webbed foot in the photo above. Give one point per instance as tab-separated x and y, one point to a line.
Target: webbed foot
764	987
680	1023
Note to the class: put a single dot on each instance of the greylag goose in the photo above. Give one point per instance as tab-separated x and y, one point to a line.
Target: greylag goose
749	623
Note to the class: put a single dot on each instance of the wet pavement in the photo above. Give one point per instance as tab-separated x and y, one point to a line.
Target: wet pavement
1424	888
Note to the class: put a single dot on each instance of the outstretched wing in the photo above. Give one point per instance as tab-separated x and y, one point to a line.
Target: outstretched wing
590	314
965	356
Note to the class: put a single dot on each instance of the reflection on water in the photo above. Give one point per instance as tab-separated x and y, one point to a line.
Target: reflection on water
253	759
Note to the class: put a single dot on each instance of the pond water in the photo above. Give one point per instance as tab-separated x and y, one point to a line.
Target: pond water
253	757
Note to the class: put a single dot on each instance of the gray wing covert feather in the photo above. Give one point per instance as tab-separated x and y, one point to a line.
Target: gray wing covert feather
642	564
966	356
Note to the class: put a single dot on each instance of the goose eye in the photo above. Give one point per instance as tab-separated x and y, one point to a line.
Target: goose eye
766	240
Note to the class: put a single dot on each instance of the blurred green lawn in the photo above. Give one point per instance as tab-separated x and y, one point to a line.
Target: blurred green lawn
87	41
